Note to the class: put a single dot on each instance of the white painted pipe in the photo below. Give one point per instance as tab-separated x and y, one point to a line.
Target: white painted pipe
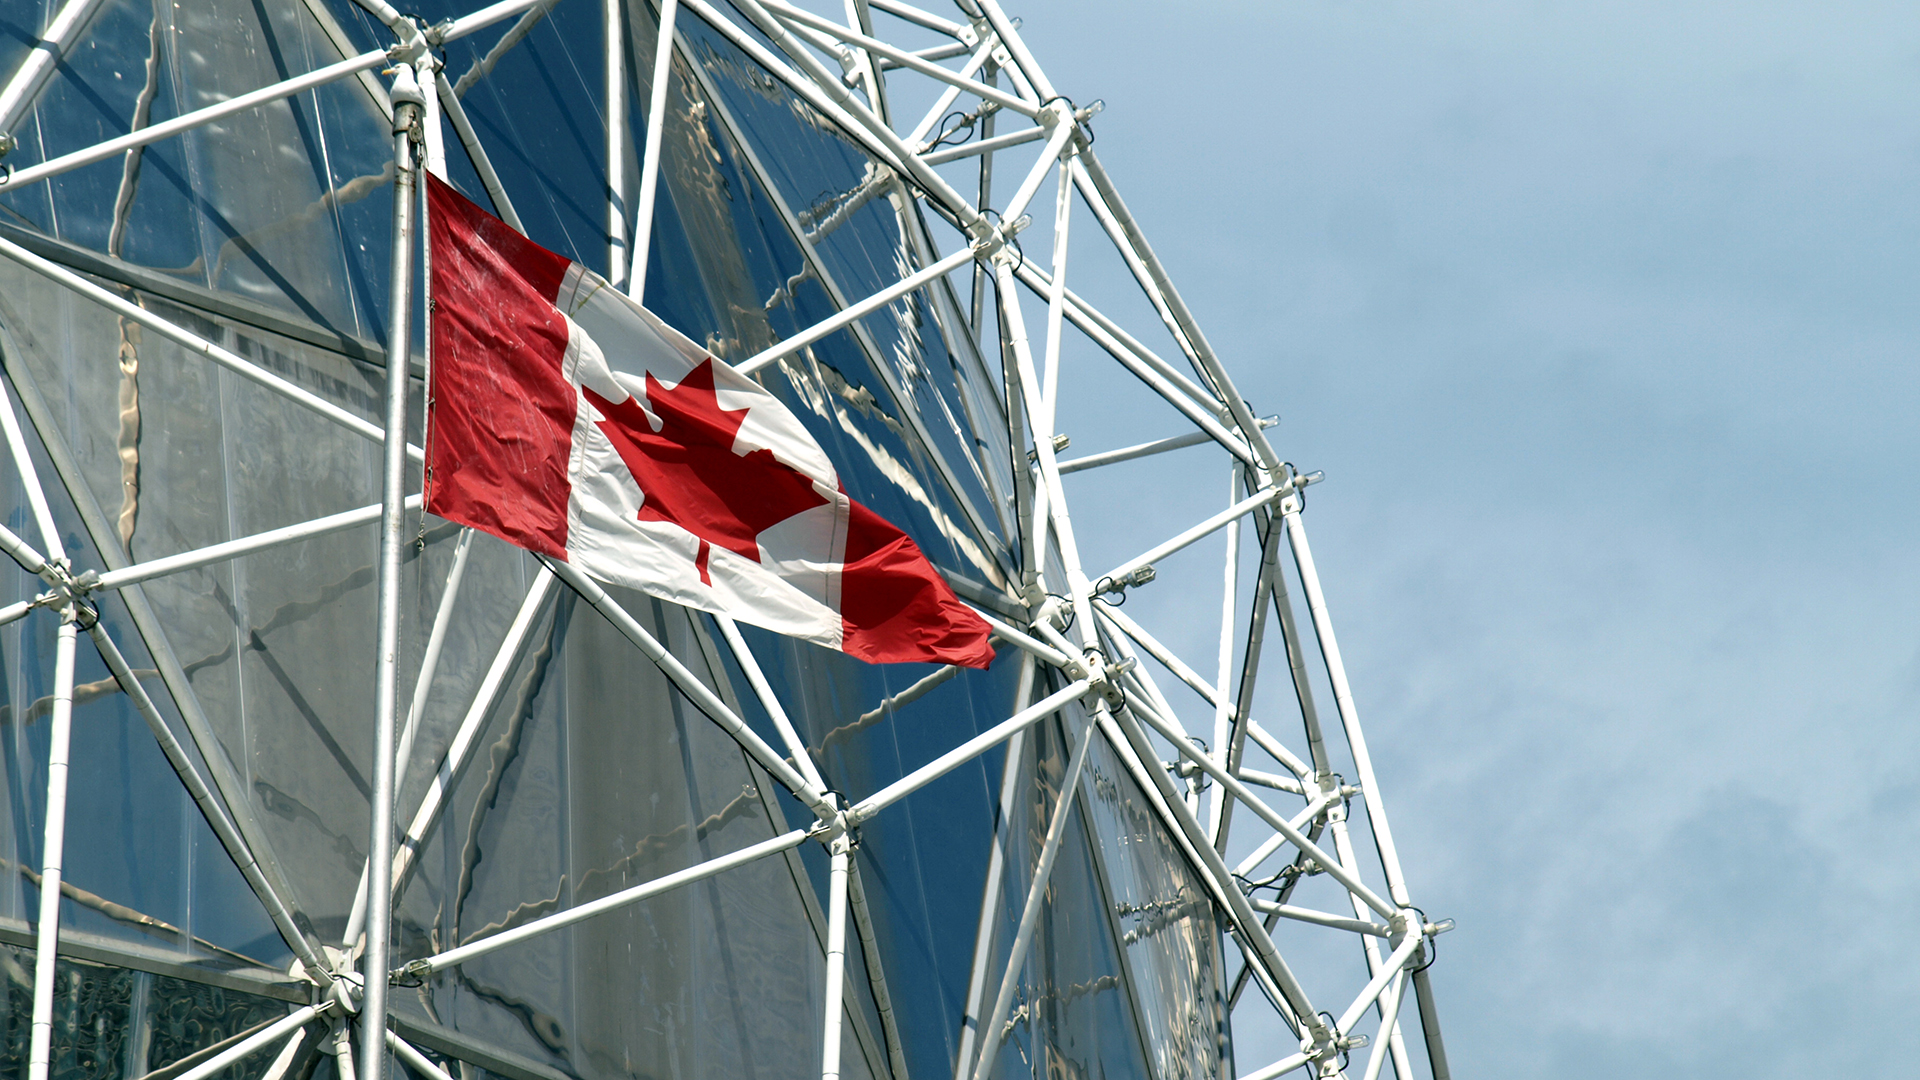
187	121
960	755
52	852
664	884
62	33
246	545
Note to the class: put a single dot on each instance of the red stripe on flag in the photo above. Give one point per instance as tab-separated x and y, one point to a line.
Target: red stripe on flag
500	418
897	609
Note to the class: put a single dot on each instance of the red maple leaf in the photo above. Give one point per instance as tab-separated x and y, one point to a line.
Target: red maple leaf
690	474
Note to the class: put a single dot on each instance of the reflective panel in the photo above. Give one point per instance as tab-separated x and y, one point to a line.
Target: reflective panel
556	766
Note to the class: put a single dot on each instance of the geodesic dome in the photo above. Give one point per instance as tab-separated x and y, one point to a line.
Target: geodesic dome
622	838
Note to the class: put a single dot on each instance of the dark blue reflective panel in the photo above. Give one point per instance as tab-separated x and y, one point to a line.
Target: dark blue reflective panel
140	862
276	204
1074	1012
596	775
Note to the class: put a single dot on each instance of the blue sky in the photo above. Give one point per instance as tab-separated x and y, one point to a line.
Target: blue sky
1602	320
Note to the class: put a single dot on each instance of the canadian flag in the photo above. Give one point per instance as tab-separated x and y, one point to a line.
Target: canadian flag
674	474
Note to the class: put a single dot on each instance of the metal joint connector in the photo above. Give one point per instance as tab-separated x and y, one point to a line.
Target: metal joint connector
413	45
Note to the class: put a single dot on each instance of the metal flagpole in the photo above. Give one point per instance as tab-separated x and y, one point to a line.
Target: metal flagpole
373	1010
842	849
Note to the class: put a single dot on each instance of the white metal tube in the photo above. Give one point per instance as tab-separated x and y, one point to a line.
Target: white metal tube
22	552
1321	918
383	11
1165	548
656	134
992	1033
414	1059
30	477
1430	1025
480	20
1253	802
283	1061
1057	288
1279	751
239	1051
689	684
246	545
983	146
1124	731
1273	780
187	121
1381	978
1049	495
613	22
756	678
1343	847
1272	844
981	55
876	970
990	901
393	522
1030	185
195	343
1224	706
1343	699
1138	450
918	17
430	659
926	774
476	153
1383	1045
1025	641
901	57
343	1049
1124	622
663	884
52	850
62	33
836	958
463	742
855	311
1279	1068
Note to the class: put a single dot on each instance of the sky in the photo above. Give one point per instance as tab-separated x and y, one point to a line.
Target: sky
1601	320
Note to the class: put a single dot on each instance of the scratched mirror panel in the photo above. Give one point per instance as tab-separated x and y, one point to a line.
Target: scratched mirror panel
926	856
275	646
141	865
850	213
1073	1011
594	774
285	204
1167	922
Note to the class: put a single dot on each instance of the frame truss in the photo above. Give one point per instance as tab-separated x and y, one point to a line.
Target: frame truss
1072	635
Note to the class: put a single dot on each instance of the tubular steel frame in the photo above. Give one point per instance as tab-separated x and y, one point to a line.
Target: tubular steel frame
843	71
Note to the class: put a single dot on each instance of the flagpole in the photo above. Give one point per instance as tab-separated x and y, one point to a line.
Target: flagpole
373	1007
